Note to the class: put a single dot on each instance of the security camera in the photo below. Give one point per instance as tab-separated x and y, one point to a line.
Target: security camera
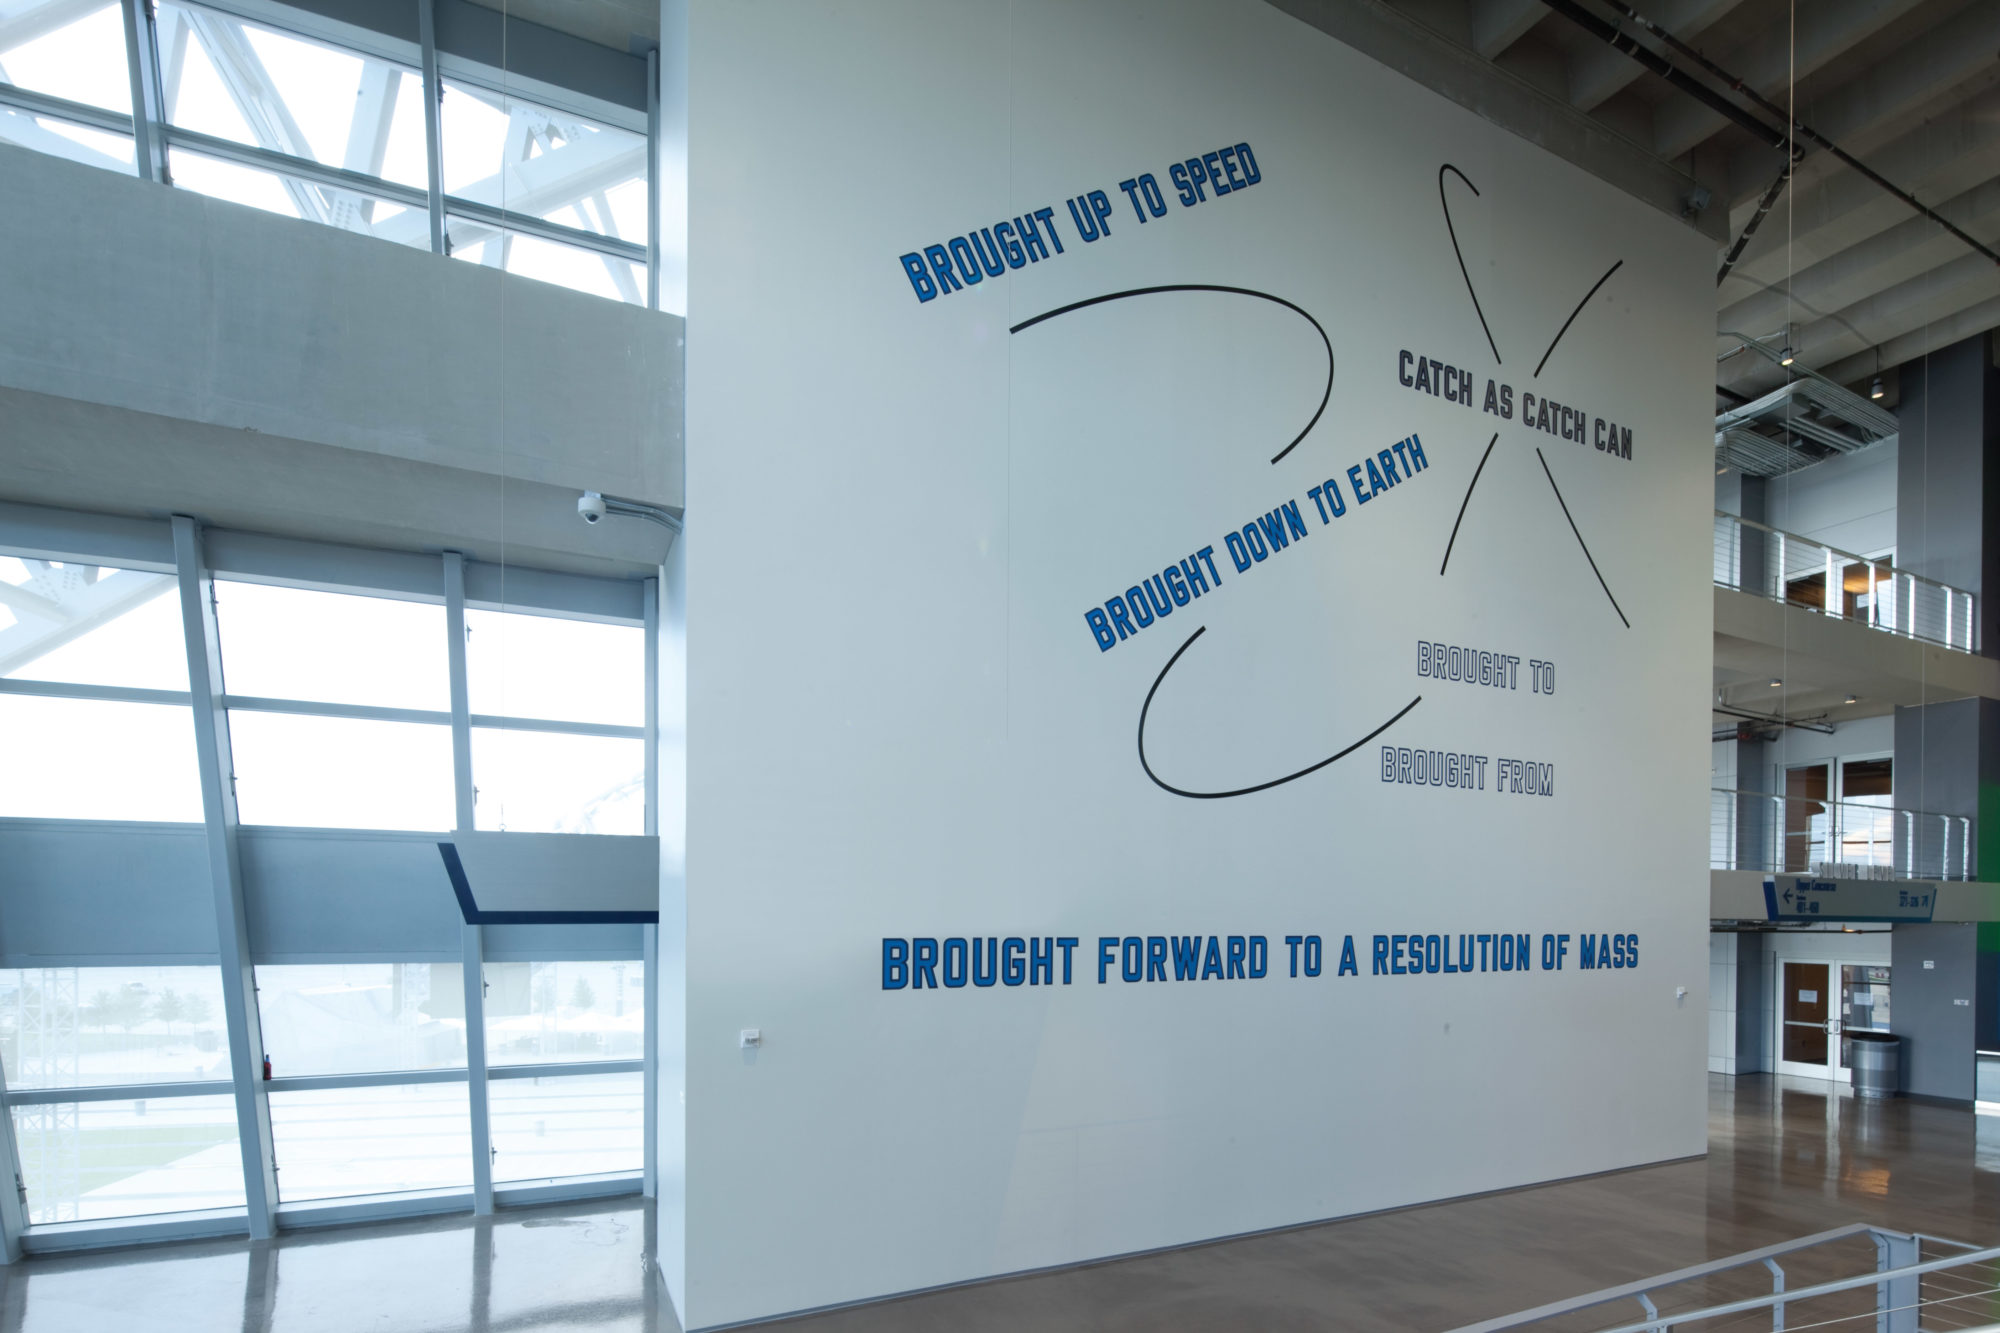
591	505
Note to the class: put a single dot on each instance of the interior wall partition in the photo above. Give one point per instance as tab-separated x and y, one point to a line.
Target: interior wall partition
342	752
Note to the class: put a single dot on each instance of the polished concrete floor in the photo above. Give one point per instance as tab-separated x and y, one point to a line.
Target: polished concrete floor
1786	1159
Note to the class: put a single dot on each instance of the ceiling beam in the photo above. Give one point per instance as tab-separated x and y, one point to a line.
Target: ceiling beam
1823	215
1919	342
1826	29
1498	24
1912	246
1600	72
1941	293
1449	68
1913	85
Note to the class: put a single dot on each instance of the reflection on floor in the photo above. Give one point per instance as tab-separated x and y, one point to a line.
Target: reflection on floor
1787	1158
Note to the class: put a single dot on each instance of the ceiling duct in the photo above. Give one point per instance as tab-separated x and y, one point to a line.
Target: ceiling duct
1796	426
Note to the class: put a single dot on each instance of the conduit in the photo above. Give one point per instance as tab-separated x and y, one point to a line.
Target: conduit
1620	41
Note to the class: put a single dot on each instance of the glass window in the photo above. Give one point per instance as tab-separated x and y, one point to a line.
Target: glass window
290	643
336	772
292	95
93	1027
540	1013
549	261
89	759
85	1160
293	197
549	164
67	50
336	1142
563	670
546	782
91	625
362	1018
577	1125
60	138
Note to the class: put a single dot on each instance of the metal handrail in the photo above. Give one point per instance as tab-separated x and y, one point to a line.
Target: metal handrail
1881	1278
1898	1284
1899	600
1905	843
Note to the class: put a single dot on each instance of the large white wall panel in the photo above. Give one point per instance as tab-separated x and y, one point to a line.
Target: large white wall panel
903	725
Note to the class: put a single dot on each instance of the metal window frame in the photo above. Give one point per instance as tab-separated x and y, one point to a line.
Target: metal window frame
155	138
75	537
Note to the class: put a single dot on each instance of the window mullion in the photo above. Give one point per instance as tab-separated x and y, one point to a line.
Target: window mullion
218	800
149	114
433	122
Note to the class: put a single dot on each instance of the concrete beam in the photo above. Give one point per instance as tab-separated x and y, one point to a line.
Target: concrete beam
1393	39
1938	294
1600	72
171	303
1498	24
1916	83
1919	342
1886	259
84	456
1820	217
1826	29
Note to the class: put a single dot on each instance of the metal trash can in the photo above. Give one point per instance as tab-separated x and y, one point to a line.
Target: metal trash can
1875	1058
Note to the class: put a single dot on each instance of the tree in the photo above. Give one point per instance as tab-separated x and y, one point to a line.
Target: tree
101	1011
581	996
169	1008
196	1010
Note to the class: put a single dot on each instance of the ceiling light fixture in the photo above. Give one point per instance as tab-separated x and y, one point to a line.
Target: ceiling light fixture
1875	392
1776	683
1852	699
1786	358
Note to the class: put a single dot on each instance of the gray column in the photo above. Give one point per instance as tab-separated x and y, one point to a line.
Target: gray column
1947	498
232	930
650	935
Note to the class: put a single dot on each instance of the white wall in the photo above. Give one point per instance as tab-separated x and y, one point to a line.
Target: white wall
1847	501
901	726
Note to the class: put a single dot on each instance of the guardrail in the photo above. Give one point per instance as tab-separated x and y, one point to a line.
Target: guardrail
1910	1294
1755	830
1785	567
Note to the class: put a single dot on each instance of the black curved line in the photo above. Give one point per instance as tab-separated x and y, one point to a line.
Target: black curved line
1446	206
1210	287
1466	501
1579	539
1574	313
1262	786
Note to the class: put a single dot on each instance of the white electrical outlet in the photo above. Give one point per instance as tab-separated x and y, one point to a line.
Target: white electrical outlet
750	1038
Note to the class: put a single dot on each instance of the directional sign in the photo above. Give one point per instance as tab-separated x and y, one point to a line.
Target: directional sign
1793	898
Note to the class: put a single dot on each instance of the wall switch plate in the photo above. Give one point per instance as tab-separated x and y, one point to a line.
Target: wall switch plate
1930	965
750	1038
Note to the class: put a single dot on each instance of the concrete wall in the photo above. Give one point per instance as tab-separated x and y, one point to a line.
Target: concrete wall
1722	955
1848	501
271	374
1931	991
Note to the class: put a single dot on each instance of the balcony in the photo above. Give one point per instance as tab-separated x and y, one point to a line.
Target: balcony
1797	571
1764	831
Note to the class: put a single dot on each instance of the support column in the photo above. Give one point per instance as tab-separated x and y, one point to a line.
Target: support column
650	934
232	930
470	939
